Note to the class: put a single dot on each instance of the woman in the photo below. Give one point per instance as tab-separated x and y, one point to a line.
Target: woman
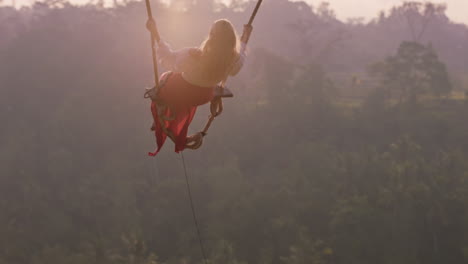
195	74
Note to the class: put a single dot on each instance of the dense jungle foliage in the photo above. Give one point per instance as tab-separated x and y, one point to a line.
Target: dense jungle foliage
346	142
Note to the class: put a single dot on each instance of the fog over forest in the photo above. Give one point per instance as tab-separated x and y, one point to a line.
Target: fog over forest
345	142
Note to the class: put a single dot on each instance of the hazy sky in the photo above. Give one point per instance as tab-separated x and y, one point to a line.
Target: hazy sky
457	9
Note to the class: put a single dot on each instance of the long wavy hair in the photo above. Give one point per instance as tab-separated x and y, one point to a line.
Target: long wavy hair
219	51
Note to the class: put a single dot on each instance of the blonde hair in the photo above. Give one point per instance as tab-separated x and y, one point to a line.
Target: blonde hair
219	51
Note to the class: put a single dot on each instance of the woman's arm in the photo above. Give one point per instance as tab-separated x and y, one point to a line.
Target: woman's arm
165	55
240	61
242	54
175	60
171	60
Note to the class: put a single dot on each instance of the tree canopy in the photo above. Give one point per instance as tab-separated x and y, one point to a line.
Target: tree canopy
312	161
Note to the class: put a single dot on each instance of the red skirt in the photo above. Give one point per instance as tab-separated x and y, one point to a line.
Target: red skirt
183	99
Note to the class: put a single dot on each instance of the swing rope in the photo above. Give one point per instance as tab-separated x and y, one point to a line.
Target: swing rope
154	38
216	108
197	227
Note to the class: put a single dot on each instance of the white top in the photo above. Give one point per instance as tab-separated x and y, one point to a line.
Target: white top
175	60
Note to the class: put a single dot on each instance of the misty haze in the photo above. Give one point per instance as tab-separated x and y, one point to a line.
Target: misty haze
345	141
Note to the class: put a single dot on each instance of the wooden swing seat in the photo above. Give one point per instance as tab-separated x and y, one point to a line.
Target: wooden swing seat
223	92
